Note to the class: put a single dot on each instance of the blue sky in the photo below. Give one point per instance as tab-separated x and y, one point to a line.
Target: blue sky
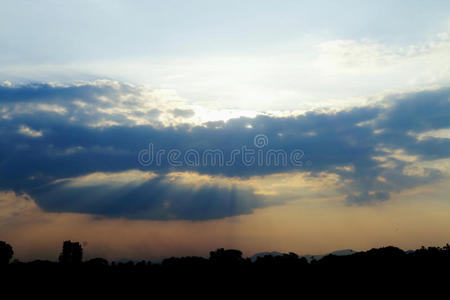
277	56
54	31
359	88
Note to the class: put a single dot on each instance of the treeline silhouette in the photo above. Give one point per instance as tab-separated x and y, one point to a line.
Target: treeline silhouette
229	269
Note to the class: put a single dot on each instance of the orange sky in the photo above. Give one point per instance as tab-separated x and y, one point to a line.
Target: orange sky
306	225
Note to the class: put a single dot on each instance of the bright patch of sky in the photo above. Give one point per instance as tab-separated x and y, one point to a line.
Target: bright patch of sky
233	55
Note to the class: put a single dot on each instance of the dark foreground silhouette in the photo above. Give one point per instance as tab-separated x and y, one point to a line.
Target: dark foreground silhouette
226	270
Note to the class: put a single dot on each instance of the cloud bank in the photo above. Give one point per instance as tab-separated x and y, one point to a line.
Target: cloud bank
53	136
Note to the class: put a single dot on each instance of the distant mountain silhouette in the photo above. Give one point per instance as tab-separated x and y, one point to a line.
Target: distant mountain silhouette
343	252
254	257
309	257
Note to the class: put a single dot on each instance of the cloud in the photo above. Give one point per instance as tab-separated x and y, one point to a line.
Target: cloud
136	195
368	147
418	112
183	113
29	132
98	103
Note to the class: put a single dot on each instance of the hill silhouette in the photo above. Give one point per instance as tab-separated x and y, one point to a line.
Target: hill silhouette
228	269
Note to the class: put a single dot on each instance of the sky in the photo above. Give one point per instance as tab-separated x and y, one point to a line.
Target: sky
148	129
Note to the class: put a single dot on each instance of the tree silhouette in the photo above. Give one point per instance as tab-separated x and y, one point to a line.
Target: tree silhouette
6	252
72	253
98	261
226	257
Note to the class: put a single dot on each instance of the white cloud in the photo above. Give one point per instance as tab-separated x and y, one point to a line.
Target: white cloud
305	75
25	130
132	177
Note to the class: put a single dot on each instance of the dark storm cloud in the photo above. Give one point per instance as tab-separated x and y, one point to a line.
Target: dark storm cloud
417	112
331	142
156	199
49	93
